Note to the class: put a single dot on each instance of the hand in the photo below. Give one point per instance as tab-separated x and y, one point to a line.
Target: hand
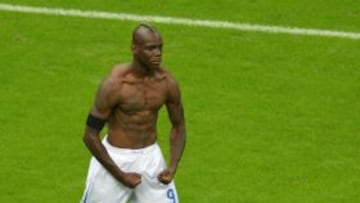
166	176
131	179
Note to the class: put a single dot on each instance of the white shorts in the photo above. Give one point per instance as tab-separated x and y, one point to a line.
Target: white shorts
102	187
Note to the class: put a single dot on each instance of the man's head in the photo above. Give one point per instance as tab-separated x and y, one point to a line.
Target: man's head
147	46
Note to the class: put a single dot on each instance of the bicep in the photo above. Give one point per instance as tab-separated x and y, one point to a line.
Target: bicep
174	105
176	113
105	100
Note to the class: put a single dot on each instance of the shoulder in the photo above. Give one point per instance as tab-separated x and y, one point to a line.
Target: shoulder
117	74
170	79
119	71
112	81
173	90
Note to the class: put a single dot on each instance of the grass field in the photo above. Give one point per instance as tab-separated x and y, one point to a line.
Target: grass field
270	117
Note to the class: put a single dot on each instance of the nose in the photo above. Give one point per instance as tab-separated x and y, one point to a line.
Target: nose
157	51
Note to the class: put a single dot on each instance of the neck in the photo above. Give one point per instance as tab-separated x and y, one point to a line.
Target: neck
141	70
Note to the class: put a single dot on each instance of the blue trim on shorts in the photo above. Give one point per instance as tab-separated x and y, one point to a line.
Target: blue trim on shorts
86	196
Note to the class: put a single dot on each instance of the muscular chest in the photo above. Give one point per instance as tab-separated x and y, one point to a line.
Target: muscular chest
142	96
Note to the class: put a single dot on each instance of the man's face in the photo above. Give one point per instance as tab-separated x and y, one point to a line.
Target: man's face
149	50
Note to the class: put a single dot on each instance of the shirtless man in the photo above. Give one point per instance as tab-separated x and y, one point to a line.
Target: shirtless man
127	165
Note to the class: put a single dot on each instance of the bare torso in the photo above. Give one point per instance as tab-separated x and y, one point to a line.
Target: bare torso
132	121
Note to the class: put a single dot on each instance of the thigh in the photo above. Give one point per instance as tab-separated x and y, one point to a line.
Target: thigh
151	190
102	187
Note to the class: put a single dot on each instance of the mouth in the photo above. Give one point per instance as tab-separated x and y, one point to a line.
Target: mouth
156	62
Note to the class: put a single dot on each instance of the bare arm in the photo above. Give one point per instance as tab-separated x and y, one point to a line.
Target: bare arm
104	102
178	132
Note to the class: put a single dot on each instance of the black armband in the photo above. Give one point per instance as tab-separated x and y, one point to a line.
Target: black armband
96	123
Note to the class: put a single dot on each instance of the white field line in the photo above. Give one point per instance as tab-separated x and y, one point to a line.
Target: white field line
179	21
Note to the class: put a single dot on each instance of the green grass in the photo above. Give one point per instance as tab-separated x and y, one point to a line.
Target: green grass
270	117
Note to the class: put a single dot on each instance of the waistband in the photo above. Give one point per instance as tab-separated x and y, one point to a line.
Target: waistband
128	151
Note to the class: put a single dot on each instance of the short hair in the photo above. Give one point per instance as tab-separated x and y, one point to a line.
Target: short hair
143	25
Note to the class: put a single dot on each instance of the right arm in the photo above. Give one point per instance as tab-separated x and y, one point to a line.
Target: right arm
104	102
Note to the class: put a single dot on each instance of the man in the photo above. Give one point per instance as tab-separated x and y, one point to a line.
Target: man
127	165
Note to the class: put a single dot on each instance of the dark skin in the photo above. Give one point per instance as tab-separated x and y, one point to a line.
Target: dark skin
130	99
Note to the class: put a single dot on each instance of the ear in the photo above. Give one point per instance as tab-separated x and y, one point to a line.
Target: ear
134	48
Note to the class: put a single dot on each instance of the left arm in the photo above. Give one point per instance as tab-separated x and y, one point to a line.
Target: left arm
178	132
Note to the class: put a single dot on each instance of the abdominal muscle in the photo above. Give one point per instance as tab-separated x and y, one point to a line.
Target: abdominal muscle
133	131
